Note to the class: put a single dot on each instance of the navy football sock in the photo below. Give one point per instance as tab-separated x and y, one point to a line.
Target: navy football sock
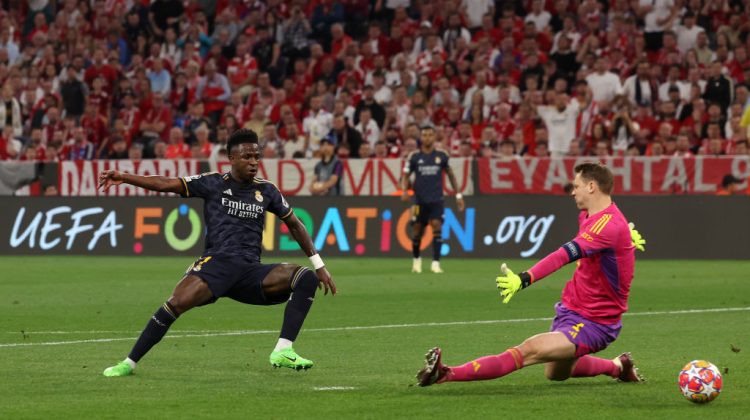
437	245
415	247
304	283
155	329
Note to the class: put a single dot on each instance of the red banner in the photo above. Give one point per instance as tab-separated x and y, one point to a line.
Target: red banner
79	178
361	177
636	175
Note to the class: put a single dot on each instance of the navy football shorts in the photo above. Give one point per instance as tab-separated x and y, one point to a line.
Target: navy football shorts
424	212
235	277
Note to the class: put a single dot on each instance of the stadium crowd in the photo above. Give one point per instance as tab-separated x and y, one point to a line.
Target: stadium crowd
89	79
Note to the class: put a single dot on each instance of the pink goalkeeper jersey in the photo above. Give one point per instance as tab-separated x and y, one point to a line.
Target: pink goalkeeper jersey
605	256
600	285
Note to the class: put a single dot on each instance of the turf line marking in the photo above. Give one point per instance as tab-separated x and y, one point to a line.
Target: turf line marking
333	388
366	327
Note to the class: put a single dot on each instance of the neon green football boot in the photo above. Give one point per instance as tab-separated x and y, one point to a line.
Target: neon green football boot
120	369
290	359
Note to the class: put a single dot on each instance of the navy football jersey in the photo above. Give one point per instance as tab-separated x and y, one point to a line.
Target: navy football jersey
234	212
428	181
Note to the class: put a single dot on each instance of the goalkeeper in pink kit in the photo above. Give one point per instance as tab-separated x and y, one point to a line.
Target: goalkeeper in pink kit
588	318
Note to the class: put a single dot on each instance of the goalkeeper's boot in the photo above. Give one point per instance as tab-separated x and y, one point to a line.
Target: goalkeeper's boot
433	372
435	268
628	371
120	369
288	358
416	266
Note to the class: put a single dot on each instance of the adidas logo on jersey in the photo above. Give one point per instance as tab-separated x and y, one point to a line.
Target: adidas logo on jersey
228	192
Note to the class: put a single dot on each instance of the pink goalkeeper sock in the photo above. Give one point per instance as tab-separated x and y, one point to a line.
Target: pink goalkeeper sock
593	366
488	367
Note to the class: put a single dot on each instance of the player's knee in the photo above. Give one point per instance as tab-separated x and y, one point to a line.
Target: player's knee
304	279
529	350
179	304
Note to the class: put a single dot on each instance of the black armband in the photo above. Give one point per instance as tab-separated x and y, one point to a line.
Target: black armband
525	279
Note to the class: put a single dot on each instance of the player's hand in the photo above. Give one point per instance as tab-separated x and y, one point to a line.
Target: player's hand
638	241
325	280
109	178
508	282
405	197
460	204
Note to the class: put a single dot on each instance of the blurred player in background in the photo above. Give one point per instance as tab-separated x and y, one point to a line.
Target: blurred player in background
234	213
588	318
428	165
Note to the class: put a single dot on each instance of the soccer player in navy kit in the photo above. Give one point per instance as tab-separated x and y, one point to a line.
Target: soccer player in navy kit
428	165
234	213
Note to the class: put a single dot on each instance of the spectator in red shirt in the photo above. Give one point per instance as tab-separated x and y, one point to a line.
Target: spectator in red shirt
100	68
177	148
155	124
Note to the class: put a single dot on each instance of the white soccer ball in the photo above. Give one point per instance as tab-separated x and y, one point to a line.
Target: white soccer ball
700	381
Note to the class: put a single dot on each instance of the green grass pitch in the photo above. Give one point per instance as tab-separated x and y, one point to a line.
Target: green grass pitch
214	361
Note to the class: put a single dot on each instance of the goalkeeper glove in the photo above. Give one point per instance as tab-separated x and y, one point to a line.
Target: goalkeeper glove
635	236
509	283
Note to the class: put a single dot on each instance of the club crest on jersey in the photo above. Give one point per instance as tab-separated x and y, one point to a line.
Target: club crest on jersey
258	196
437	160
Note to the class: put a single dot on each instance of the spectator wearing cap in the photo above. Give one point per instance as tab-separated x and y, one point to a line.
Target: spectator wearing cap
328	171
729	185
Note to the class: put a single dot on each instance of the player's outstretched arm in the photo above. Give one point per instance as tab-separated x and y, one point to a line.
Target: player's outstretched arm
509	283
299	233
111	178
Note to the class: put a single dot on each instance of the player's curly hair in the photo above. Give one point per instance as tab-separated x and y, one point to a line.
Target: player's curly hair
598	173
243	135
